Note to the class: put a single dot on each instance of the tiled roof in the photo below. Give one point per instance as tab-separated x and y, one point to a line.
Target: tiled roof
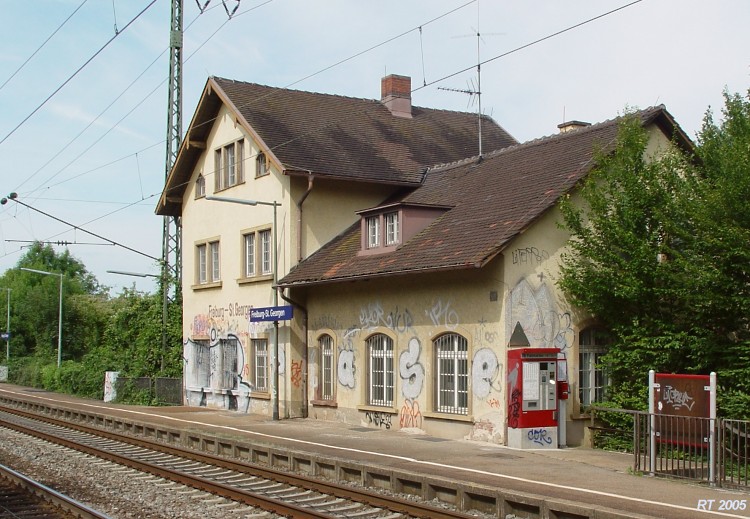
491	202
335	136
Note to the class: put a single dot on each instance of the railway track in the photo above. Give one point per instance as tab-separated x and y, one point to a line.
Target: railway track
21	496
279	492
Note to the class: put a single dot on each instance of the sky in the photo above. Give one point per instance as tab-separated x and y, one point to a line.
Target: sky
83	87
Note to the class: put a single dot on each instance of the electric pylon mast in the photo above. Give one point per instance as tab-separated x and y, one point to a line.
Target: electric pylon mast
172	239
171	253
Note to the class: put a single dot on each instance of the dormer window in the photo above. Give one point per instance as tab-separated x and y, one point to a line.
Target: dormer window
391	228
385	228
373	232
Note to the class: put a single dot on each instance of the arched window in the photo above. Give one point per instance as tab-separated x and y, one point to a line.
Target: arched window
452	374
592	377
200	186
325	342
380	370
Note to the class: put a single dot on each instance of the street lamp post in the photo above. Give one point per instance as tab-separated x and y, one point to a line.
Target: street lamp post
59	315
274	204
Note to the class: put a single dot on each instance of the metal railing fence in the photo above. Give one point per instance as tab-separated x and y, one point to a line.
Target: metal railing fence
677	446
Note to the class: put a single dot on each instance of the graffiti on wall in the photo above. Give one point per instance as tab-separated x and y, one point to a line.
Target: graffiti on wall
535	309
529	255
441	314
410	415
484	371
296	375
214	364
411	370
379	419
372	315
346	368
540	437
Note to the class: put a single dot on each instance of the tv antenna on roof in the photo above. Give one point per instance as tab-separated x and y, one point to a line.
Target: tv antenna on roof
471	91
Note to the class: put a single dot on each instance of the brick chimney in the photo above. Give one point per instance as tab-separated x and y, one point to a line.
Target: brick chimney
395	94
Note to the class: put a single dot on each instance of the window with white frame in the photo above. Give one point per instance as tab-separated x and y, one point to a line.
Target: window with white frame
202	264
373	232
265	252
452	373
207	262
249	243
228	165
200	186
380	370
215	264
325	342
258	369
261	165
391	228
592	377
258	253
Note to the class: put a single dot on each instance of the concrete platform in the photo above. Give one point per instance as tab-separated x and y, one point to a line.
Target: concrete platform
562	483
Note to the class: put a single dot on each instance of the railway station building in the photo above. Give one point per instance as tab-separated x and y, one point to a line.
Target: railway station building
397	277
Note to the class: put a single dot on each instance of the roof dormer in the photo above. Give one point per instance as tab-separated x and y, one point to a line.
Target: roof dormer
387	227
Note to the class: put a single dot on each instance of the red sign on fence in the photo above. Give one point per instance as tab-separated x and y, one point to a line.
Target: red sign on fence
681	403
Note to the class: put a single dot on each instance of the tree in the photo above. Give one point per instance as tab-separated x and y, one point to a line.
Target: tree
659	255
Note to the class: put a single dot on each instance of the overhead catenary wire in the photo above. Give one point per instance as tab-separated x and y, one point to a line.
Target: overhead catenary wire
473	66
155	89
42	45
75	73
446	77
77	227
116	124
527	45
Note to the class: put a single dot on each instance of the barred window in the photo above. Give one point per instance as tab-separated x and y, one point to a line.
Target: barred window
380	360
229	368
592	377
201	371
326	367
452	372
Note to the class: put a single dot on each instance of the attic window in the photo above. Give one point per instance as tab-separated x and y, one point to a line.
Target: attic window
228	165
373	232
381	232
200	186
391	228
261	165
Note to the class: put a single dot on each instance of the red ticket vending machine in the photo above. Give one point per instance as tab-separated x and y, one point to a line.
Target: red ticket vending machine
532	398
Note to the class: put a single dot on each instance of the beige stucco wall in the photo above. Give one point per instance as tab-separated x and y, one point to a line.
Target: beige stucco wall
220	310
217	311
412	311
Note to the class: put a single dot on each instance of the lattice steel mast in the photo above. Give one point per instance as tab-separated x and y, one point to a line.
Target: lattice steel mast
172	235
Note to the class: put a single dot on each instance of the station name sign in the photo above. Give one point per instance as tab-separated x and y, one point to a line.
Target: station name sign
271	313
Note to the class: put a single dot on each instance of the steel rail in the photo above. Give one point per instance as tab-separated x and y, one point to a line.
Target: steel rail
363	496
49	495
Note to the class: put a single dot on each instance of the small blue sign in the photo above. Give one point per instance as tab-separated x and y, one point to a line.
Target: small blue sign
5	336
271	313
